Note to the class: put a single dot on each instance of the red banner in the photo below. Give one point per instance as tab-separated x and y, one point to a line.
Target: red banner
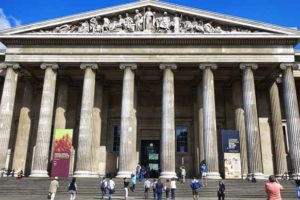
61	152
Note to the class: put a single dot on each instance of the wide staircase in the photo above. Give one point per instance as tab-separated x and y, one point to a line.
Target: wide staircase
37	189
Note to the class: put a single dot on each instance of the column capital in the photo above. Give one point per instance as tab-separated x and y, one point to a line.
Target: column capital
133	66
284	66
244	66
203	66
172	66
87	65
54	66
12	65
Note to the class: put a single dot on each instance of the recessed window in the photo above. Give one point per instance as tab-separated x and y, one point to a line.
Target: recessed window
117	133
182	139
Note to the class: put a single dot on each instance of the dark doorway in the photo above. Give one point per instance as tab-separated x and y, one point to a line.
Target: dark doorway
150	157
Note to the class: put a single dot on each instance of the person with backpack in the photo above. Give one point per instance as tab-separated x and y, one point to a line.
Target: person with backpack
147	186
273	189
167	188
153	186
221	190
159	189
110	187
73	189
195	186
103	186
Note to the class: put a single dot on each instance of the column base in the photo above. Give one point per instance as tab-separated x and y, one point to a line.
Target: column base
257	175
39	174
213	175
124	174
295	176
85	174
168	175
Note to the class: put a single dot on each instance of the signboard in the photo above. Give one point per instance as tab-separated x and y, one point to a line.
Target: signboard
232	157
61	152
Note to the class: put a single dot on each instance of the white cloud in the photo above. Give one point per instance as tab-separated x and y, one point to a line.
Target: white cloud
4	22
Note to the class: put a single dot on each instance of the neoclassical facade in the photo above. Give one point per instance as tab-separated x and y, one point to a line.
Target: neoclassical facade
152	83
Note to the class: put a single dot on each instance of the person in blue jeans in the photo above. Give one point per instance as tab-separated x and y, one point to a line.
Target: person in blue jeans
133	182
159	189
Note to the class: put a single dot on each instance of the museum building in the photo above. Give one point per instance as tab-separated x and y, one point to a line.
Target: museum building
153	83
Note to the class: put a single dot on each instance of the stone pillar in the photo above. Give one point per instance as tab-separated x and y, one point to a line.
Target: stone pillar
200	124
278	138
7	107
209	121
24	128
84	150
41	152
168	140
251	121
127	153
237	97
292	115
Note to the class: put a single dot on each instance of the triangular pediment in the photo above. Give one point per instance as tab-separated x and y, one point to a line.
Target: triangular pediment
149	17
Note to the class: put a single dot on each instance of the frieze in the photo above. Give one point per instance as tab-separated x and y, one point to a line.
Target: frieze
149	21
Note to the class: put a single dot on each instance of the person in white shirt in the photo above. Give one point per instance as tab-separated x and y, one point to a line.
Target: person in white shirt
103	187
111	188
147	186
173	187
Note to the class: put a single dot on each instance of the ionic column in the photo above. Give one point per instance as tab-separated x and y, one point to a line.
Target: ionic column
292	115
127	153
251	122
24	128
167	157
237	97
209	121
86	128
7	107
41	152
200	123
278	138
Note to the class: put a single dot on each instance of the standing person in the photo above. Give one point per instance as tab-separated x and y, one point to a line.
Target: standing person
173	187
110	187
138	170
159	189
204	173
153	186
103	187
73	189
297	181
126	184
195	186
133	182
273	189
167	188
54	185
147	186
221	190
183	174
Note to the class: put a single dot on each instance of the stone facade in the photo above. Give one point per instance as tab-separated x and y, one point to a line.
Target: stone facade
145	84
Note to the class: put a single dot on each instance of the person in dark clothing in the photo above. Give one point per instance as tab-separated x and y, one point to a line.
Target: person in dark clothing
73	189
221	190
159	189
126	185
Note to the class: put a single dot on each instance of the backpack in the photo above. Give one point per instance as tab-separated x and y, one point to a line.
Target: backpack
298	191
103	185
195	185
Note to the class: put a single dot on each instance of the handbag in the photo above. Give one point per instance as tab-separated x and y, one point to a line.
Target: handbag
49	195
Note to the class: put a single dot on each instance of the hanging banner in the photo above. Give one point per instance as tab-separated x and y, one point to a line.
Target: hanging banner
61	152
231	141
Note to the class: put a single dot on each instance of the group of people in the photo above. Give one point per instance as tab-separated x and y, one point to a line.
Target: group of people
11	173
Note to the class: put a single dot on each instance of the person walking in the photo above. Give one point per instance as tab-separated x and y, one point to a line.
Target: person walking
103	187
111	188
73	189
133	182
183	174
167	188
54	185
204	173
147	186
221	190
173	187
126	185
195	186
153	186
159	189
273	189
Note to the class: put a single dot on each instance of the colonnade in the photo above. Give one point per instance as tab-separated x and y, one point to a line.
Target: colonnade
245	114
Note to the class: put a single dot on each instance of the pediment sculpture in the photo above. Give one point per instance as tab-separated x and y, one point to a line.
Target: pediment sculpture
149	22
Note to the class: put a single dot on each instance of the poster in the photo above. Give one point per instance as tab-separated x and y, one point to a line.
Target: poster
61	152
232	164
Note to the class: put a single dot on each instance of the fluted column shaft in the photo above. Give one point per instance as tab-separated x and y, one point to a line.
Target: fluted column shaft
126	153
237	97
84	151
167	146
7	107
41	152
200	122
24	128
278	138
209	121
251	121
292	115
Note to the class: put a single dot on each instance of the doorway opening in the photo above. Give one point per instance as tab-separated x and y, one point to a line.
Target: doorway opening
150	158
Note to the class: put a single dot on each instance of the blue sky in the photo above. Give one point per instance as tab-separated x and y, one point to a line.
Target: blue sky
21	12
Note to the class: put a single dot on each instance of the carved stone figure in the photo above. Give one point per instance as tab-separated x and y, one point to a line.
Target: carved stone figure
164	25
66	28
209	28
188	26
148	20
106	25
199	27
84	28
176	23
129	26
138	18
94	25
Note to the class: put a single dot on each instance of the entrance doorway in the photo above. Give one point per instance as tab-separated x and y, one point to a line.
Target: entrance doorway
150	157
